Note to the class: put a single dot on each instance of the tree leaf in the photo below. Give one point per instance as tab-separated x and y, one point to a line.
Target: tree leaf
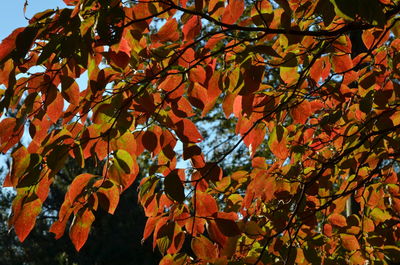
301	112
277	142
168	32
191	28
24	215
233	11
8	44
173	187
205	204
337	220
187	131
349	242
80	228
204	248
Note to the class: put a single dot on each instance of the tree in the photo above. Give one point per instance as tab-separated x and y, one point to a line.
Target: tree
114	239
319	118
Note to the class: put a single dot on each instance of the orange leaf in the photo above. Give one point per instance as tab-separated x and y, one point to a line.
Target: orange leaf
149	228
233	11
277	142
78	185
108	195
349	242
24	215
8	44
255	138
198	96
187	131
168	32
197	228
55	108
80	228
171	82
10	133
21	160
205	204
191	28
342	62
337	219
204	248
197	74
70	90
301	112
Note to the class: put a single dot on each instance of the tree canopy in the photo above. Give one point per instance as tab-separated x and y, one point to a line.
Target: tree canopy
309	87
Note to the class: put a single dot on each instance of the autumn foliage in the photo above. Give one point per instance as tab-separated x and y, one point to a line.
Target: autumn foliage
314	89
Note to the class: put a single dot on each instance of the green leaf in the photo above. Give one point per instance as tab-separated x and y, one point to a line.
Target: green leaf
124	160
380	215
369	10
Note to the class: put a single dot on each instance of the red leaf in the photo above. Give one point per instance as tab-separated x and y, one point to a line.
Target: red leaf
171	82
198	96
149	228
255	138
8	44
205	204
187	131
342	62
10	133
70	90
227	227
80	228
301	112
233	11
150	140
197	228
204	248
215	233
173	187
55	108
277	142
197	74
191	28
168	32
24	216
78	185
196	156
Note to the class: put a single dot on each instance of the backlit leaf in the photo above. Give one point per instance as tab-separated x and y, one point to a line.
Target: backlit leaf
277	142
205	204
188	132
7	45
349	242
80	228
204	248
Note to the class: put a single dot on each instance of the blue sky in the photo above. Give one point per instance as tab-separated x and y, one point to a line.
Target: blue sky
12	15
